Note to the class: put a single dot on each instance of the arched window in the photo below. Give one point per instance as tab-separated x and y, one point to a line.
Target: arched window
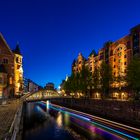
17	59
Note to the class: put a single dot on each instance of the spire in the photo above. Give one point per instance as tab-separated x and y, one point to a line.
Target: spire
17	49
73	63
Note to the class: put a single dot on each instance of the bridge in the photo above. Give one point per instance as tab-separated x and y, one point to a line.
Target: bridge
41	95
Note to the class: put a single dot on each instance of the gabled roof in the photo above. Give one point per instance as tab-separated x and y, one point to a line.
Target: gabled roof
5	43
93	53
2	69
73	63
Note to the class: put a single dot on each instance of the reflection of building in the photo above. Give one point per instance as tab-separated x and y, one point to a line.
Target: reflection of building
118	54
11	71
49	86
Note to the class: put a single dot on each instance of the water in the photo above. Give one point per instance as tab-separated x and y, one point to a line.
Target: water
44	122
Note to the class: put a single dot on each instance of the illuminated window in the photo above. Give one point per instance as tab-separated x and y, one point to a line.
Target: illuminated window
119	61
10	80
119	54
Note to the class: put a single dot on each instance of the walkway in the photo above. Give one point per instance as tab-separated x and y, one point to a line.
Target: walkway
7	113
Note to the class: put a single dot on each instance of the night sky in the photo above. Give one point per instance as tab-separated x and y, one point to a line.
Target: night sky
51	33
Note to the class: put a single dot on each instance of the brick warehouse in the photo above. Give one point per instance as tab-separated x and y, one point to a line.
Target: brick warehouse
118	54
11	71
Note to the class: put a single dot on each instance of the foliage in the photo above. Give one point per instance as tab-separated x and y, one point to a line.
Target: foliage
83	81
96	78
105	78
133	74
78	82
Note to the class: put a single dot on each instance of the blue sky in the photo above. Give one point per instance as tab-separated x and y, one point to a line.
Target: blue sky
51	33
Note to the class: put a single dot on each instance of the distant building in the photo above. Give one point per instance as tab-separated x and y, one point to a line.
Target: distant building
118	54
26	85
30	86
33	87
11	71
49	86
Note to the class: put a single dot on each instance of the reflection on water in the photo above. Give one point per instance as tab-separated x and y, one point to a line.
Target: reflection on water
46	122
59	120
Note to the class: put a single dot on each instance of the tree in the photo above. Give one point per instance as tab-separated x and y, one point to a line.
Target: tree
85	79
105	78
133	75
95	77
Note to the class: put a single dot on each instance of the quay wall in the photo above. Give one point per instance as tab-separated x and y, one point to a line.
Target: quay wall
127	112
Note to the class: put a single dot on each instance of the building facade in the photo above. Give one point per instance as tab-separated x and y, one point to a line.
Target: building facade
11	71
49	86
32	86
118	54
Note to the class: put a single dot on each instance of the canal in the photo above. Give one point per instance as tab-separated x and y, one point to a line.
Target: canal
46	121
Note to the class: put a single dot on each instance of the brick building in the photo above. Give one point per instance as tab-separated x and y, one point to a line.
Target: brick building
11	71
118	54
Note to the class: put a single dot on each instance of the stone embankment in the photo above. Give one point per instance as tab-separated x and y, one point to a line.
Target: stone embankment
8	110
121	111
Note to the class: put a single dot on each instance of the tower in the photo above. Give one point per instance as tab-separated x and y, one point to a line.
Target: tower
18	71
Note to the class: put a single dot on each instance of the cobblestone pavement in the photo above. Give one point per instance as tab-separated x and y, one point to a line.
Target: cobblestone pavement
7	113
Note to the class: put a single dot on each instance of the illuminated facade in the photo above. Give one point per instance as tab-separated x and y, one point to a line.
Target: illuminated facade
11	71
118	54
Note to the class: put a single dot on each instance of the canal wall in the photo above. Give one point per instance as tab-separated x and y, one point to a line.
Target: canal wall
119	111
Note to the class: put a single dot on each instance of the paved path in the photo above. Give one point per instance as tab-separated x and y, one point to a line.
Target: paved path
7	114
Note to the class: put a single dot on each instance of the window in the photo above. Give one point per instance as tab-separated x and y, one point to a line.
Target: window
119	54
114	59
114	66
90	68
0	80
125	56
17	59
125	71
119	60
124	63
5	61
114	73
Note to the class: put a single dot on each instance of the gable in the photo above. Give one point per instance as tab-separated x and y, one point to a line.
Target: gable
4	48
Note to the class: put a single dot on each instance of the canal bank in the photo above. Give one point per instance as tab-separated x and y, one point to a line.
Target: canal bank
44	121
10	119
120	111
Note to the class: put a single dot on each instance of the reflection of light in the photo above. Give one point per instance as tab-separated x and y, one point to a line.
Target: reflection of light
59	119
72	114
116	131
47	105
66	118
92	128
94	123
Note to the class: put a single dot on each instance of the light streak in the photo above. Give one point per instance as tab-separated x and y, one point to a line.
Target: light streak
95	123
